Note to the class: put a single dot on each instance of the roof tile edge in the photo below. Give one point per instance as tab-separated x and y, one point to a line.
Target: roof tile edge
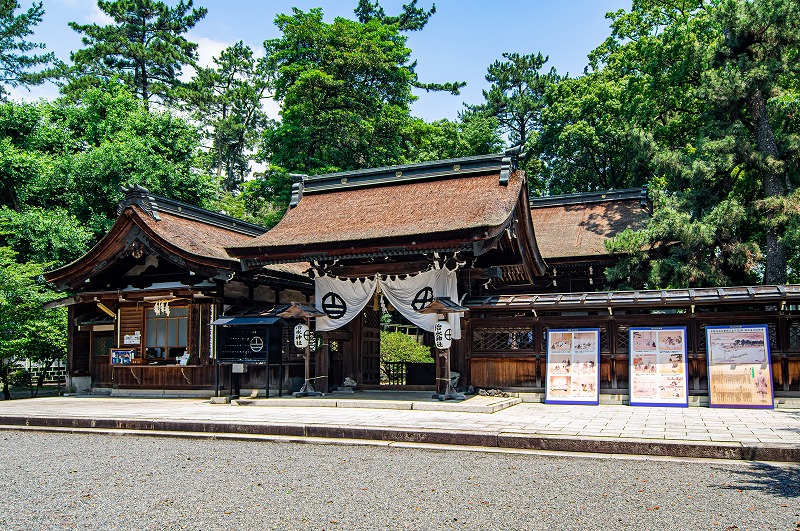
502	163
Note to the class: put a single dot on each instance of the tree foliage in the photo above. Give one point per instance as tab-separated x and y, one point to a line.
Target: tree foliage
227	101
516	95
472	134
27	330
17	55
61	165
412	18
397	346
587	141
345	93
262	200
144	47
704	90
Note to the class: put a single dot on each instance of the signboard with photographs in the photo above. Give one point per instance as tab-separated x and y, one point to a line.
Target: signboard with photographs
658	367
739	370
123	356
573	366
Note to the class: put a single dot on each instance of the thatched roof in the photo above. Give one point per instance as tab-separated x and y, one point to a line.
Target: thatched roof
577	225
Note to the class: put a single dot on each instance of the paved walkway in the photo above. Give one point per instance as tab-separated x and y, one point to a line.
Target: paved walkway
772	435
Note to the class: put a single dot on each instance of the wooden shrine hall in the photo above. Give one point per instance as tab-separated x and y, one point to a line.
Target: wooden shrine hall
144	296
518	276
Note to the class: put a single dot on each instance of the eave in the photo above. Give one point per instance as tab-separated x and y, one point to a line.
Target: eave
652	299
128	228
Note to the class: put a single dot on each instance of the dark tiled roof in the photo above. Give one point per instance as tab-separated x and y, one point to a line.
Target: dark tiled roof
577	225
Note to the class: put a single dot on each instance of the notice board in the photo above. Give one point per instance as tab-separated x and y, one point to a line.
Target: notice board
658	366
739	369
573	366
123	356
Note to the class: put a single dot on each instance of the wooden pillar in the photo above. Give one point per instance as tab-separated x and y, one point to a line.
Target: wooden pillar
70	338
322	366
442	370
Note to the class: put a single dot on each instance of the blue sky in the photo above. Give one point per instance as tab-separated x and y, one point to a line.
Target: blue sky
460	41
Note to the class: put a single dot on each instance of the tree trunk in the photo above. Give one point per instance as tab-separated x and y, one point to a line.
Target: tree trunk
775	266
145	92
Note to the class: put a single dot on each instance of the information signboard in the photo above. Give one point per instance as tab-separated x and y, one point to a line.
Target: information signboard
573	366
250	344
658	366
739	370
122	356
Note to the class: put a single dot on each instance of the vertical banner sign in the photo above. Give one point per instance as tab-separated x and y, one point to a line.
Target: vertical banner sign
573	366
739	369
658	367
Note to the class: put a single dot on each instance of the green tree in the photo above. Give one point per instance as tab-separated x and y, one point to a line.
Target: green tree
516	95
412	18
17	55
144	47
262	200
587	141
27	330
710	80
345	92
397	346
61	165
44	235
472	134
758	48
226	100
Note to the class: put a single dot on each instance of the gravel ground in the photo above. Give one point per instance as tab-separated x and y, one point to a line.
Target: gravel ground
88	481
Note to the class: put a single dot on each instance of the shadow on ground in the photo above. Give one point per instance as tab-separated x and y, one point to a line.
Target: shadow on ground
783	481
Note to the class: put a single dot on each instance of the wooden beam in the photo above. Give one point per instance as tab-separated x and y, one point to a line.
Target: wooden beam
384	268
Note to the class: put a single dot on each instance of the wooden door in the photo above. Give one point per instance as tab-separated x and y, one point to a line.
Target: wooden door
101	368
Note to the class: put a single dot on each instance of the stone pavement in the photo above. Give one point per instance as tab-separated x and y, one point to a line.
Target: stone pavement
751	434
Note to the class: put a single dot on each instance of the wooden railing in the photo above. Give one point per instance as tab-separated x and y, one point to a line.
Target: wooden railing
405	373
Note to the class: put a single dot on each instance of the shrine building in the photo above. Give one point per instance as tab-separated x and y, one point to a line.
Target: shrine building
173	298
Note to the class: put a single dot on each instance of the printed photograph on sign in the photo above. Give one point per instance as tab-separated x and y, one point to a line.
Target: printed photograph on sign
573	366
583	363
643	340
672	388
560	386
738	347
739	369
584	342
645	387
584	386
671	362
657	370
670	340
560	341
645	363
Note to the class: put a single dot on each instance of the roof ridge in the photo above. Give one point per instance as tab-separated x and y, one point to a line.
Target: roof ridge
599	196
503	163
154	204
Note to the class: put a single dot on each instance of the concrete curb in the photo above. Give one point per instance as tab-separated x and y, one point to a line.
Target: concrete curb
486	405
487	439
